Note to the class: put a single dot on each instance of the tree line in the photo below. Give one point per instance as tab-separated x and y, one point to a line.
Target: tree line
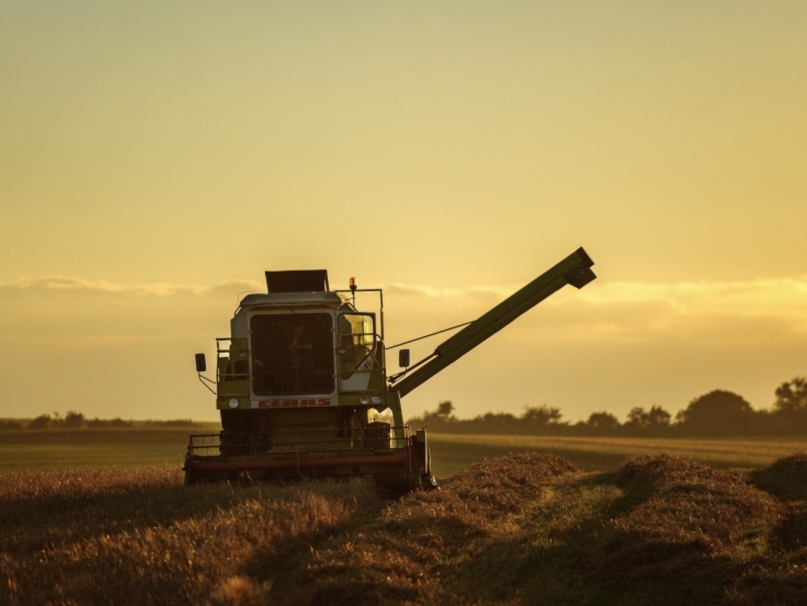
76	420
719	413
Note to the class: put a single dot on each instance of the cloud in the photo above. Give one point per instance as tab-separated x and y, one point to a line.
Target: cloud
479	292
601	291
615	343
745	297
611	306
776	305
753	298
755	314
83	286
741	312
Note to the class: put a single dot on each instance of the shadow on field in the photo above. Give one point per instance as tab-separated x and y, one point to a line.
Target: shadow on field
660	541
787	480
49	503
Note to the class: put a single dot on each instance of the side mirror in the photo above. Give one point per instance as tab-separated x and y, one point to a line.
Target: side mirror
403	358
201	362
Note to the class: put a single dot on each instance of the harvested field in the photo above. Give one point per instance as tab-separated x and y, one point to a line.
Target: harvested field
521	529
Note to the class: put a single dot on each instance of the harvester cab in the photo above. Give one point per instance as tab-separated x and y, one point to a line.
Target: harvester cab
302	379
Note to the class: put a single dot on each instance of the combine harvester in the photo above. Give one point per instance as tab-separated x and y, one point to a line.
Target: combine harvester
303	376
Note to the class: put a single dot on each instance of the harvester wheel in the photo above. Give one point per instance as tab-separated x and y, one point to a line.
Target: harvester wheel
423	461
429	482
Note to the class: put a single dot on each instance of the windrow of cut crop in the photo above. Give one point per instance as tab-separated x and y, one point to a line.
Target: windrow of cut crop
780	578
682	530
402	556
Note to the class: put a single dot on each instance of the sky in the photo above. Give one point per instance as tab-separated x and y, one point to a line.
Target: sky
157	157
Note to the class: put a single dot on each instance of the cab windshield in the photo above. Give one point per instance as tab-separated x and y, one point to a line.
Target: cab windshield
292	354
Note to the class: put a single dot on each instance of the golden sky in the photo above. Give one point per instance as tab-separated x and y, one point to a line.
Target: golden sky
157	157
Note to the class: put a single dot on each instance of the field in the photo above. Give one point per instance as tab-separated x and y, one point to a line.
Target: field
52	449
453	452
55	449
101	516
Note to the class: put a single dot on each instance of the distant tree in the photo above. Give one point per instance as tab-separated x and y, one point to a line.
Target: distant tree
658	418
637	418
493	422
603	421
118	422
438	419
791	396
445	410
497	418
73	420
718	413
41	422
790	407
654	420
6	425
541	416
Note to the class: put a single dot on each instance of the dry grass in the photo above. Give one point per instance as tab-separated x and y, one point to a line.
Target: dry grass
523	529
